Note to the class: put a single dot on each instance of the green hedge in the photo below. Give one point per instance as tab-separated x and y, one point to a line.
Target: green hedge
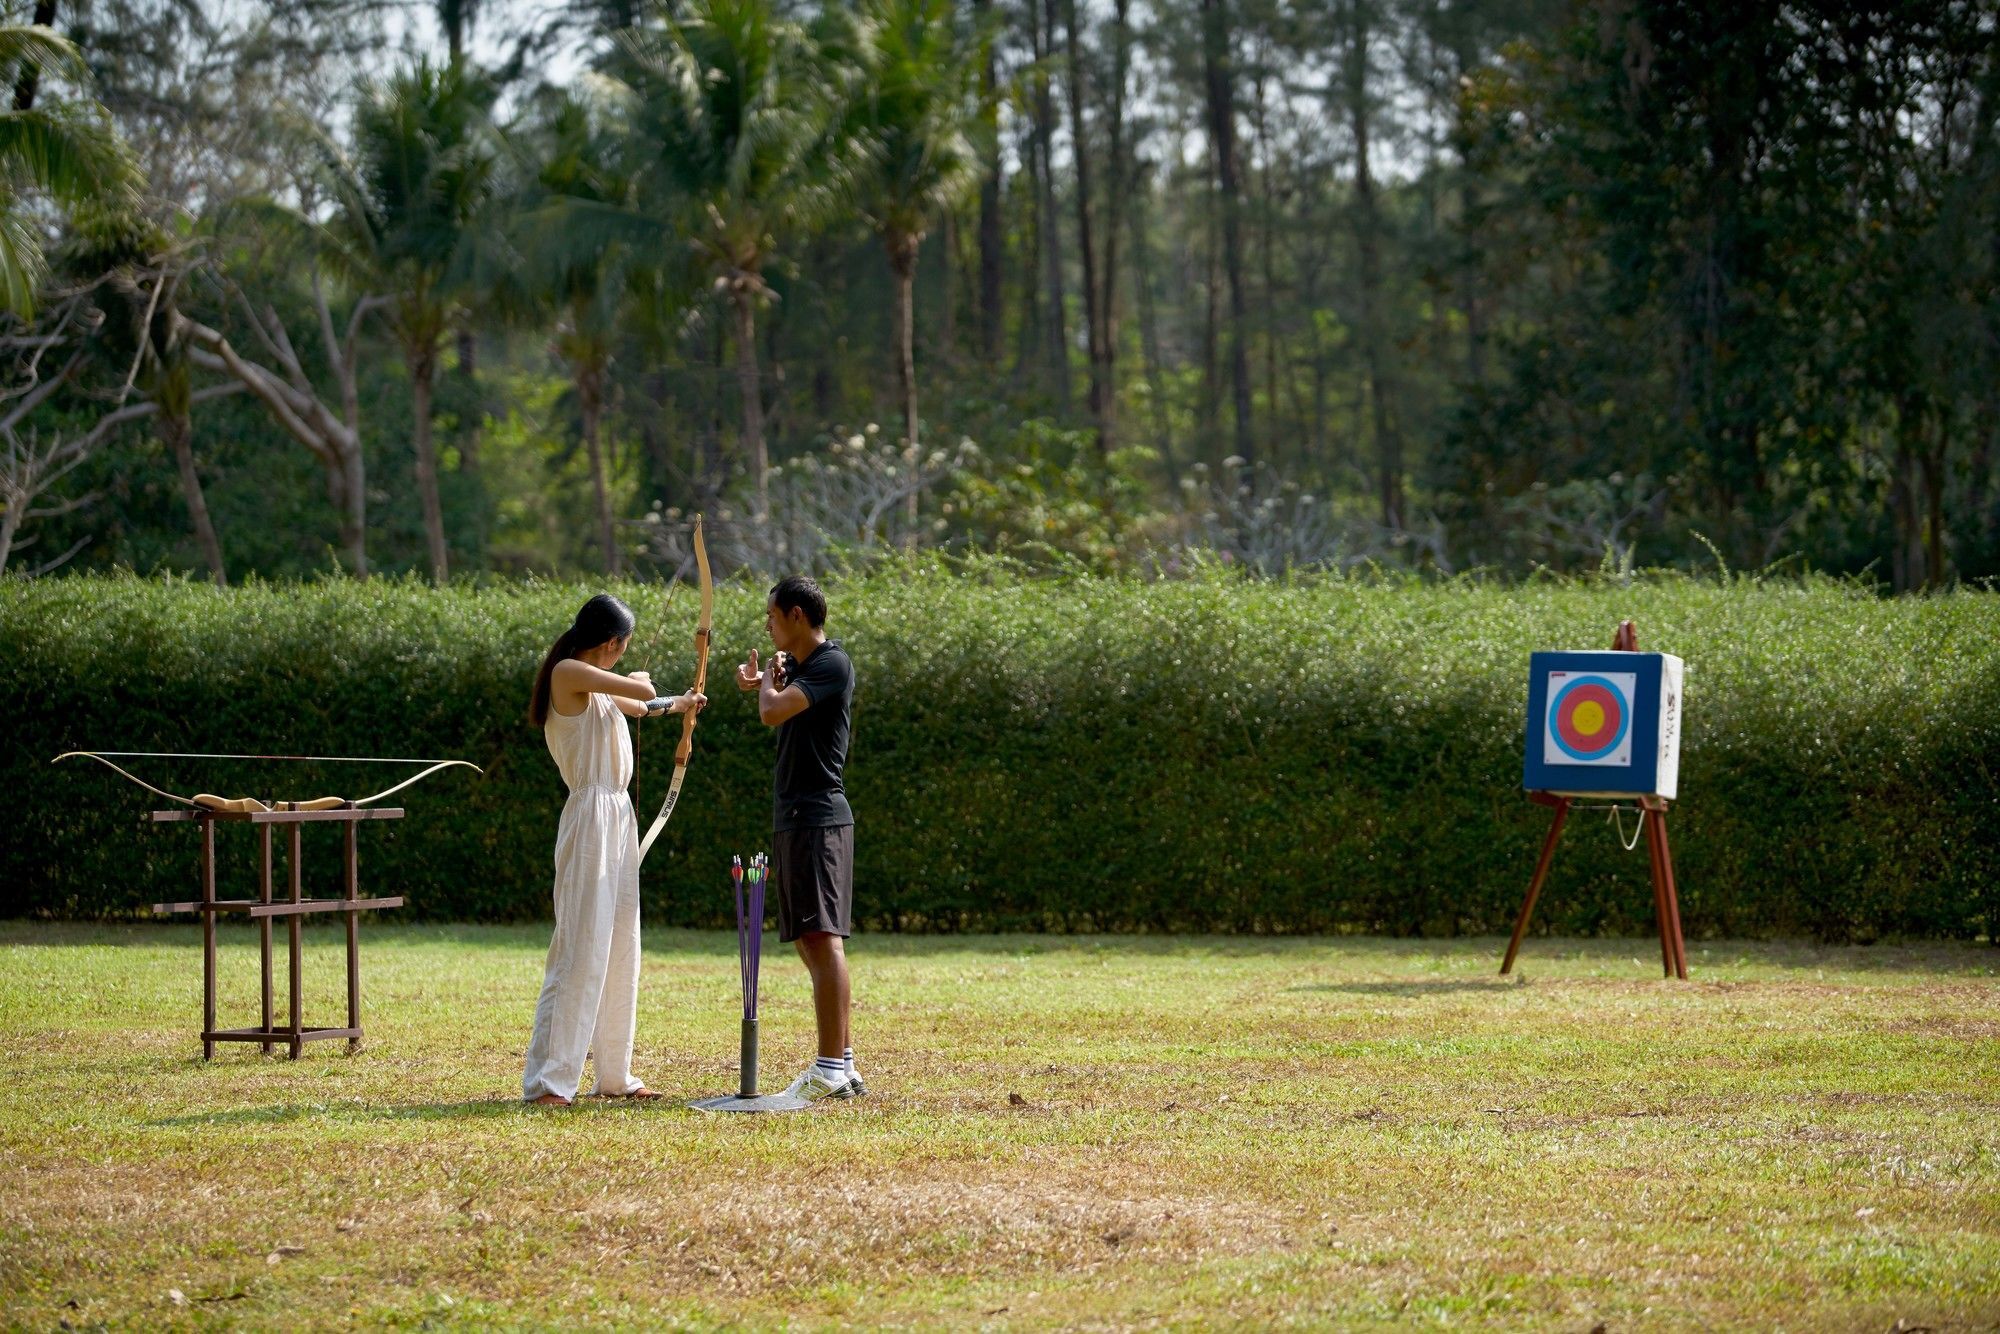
1066	754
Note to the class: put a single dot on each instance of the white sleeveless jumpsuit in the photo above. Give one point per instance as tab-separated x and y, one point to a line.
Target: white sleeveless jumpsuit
590	990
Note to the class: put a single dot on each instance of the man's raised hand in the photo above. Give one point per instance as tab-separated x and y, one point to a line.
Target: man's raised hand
748	674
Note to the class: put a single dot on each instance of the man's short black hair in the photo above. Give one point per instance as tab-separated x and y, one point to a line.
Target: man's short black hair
800	591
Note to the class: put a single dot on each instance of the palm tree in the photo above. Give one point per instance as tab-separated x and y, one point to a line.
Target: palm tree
402	223
734	147
915	104
457	17
65	150
566	268
425	171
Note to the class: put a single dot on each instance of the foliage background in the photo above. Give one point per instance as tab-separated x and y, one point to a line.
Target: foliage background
1079	753
1509	282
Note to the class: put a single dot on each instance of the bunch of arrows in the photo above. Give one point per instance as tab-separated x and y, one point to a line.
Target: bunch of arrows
749	882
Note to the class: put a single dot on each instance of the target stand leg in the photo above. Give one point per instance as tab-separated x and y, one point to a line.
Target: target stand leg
1561	807
1666	895
1659	893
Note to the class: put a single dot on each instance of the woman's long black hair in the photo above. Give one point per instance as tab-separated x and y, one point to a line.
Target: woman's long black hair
601	620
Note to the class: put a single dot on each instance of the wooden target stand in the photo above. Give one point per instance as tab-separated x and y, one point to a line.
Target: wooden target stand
1653	816
266	907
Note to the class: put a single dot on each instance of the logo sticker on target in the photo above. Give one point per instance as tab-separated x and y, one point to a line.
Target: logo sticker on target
1590	718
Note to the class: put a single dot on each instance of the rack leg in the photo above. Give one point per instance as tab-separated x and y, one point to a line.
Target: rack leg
264	925
353	865
292	922
1561	805
207	940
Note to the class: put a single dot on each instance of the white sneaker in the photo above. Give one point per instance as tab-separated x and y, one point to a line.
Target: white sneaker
815	1085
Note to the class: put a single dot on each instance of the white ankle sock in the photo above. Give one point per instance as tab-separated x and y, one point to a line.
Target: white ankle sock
847	1059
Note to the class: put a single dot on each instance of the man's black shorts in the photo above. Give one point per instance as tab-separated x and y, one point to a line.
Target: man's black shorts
814	873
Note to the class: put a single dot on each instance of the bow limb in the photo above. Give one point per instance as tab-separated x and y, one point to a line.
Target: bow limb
93	755
203	801
407	782
703	633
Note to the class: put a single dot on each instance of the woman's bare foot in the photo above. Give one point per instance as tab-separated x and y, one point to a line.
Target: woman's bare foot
642	1094
550	1100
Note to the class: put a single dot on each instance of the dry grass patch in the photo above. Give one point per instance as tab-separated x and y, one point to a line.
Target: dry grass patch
1077	1132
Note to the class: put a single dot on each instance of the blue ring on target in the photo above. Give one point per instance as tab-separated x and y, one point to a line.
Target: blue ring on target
1624	718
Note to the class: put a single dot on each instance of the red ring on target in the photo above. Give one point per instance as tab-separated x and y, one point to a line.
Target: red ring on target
1599	741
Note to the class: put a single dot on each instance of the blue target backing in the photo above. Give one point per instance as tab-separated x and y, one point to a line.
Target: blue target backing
1604	724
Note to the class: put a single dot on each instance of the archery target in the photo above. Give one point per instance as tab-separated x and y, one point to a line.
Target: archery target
1589	718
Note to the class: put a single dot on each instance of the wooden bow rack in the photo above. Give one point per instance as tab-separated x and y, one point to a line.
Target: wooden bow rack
267	907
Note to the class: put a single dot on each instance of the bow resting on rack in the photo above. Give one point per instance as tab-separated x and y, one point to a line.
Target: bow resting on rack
206	801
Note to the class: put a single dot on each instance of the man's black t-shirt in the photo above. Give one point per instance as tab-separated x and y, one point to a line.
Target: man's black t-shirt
812	746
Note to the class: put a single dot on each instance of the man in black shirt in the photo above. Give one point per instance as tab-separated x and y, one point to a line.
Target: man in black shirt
807	693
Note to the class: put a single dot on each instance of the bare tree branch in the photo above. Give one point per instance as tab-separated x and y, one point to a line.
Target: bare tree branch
61	560
217	354
36	395
61	507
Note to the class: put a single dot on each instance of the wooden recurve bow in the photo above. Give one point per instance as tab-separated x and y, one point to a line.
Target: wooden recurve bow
704	630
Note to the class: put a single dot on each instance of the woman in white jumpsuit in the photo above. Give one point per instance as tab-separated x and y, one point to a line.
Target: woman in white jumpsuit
590	989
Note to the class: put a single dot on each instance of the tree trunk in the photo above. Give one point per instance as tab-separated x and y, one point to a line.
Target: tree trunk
1470	253
1114	211
947	343
30	79
1093	319
992	241
177	430
1932	462
1211	329
423	371
820	259
1983	499
1221	96
468	370
1312	414
1319	436
350	477
454	19
1267	295
1029	352
902	247
708	456
1042	34
1906	554
743	297
1149	332
1388	436
771	371
589	373
347	492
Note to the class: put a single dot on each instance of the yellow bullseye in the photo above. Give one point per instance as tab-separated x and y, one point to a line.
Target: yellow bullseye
1588	718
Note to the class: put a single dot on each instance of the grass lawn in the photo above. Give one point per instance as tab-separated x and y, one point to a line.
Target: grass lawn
1100	1132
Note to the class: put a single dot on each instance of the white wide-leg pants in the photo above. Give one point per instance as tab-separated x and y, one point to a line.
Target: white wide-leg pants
590	989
